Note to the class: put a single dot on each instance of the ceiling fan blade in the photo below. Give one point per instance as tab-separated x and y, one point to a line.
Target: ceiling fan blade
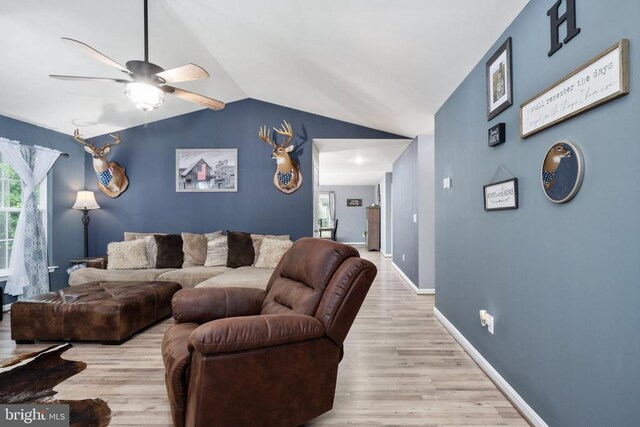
84	78
184	73
97	55
214	104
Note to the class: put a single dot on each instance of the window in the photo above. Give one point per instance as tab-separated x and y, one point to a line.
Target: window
326	209
10	205
323	209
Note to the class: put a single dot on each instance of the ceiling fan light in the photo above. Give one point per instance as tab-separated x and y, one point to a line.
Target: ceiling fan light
146	97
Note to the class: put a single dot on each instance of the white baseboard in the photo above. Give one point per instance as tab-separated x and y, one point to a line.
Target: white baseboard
352	243
386	255
409	283
520	404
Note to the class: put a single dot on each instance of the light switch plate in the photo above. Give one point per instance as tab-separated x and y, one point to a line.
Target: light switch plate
490	323
446	183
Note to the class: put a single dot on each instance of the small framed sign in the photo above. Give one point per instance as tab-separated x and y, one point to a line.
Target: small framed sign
497	135
501	195
354	203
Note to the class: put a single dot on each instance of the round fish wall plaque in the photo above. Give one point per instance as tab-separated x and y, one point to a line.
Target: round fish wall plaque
562	171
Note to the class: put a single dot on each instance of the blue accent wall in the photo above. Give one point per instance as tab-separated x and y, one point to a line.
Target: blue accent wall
152	204
563	281
65	237
405	204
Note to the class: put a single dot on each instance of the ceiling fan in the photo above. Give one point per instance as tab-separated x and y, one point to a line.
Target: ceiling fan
148	82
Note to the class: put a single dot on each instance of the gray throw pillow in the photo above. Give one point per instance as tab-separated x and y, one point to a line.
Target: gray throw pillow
152	249
216	252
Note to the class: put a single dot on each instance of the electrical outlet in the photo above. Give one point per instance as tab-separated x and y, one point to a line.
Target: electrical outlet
490	323
415	217
402	257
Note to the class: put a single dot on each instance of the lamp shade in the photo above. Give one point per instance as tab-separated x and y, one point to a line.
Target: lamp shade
86	200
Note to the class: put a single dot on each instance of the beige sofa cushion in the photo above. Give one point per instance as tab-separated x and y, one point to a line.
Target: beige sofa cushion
257	242
127	255
191	276
130	235
217	252
86	275
194	247
271	251
152	250
241	277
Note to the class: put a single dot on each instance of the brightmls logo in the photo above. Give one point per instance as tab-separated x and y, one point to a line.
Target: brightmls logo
34	415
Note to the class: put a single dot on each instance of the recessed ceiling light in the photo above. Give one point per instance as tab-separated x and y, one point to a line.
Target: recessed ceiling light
358	160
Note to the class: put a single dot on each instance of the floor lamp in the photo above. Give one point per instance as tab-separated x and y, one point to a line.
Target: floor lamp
86	201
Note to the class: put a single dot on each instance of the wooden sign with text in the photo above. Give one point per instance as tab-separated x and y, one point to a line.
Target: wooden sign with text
600	80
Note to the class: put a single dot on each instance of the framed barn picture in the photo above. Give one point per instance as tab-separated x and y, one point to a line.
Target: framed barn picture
206	169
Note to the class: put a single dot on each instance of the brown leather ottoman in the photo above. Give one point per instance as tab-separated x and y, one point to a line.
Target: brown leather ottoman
110	312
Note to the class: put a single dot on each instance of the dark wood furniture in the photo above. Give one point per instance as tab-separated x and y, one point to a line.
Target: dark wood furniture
373	228
110	312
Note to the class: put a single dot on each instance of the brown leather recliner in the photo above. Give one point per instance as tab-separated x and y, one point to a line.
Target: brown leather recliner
246	357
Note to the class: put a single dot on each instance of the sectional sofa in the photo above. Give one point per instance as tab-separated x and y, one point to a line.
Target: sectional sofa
247	276
189	277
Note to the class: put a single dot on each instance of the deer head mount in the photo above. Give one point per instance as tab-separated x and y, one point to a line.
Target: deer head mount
287	177
112	179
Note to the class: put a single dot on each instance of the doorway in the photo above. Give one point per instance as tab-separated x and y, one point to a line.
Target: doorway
349	175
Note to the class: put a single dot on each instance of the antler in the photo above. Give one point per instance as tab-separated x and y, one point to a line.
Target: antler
265	135
77	137
116	141
285	131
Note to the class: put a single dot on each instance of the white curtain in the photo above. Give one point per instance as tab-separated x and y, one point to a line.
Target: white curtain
332	207
28	270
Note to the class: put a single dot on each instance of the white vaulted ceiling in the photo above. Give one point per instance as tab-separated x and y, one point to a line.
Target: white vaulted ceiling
385	64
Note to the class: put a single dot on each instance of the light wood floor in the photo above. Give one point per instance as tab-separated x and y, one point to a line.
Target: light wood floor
401	368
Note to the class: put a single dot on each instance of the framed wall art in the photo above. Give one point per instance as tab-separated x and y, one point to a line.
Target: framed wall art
354	203
207	170
501	195
602	79
499	81
562	172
